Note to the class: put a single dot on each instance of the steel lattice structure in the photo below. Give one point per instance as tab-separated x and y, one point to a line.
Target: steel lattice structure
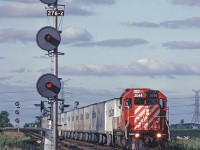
196	115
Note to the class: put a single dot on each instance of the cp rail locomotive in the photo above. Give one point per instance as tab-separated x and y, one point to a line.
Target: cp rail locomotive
137	120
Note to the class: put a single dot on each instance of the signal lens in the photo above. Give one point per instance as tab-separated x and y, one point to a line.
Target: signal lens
47	37
49	85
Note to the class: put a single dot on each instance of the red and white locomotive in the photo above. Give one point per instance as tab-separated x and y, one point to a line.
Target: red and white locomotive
144	121
137	120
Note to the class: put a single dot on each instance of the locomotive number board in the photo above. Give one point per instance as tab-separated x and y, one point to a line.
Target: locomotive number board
55	12
152	94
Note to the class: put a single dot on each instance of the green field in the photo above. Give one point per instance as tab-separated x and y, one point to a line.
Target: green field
190	142
24	142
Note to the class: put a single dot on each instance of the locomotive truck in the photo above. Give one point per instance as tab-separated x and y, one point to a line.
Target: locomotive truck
137	120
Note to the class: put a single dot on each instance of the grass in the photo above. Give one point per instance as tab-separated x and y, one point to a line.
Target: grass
19	142
182	144
191	144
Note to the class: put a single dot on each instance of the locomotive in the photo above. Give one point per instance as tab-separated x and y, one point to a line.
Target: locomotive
137	120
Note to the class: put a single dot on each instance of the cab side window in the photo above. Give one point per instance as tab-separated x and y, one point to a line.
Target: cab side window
162	104
129	102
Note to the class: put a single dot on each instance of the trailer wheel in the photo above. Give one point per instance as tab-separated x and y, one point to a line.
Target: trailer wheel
100	139
86	137
80	136
109	139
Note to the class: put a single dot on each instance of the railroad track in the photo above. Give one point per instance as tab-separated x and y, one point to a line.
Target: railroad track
69	144
35	134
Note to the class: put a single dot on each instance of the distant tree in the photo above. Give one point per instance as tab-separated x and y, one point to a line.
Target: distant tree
37	123
29	125
182	121
4	119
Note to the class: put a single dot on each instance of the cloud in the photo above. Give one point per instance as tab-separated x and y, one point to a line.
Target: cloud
186	23
24	1
96	2
32	9
21	70
69	35
142	67
36	10
13	35
22	10
181	45
144	24
186	2
3	78
40	57
193	22
124	42
85	2
74	10
73	34
2	57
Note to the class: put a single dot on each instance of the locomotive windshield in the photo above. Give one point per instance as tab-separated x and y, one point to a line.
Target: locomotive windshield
143	101
139	101
151	101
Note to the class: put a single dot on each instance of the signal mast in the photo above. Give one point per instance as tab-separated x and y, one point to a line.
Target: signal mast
48	85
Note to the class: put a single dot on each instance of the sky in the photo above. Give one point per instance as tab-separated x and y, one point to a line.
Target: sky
109	45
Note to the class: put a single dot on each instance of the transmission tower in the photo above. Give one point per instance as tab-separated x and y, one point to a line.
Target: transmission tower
196	115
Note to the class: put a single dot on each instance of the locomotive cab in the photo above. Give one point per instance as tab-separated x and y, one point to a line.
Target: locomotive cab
144	112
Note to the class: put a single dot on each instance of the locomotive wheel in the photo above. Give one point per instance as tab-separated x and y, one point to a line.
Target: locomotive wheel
137	144
161	145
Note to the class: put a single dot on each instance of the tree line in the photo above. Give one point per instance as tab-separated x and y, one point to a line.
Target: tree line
4	120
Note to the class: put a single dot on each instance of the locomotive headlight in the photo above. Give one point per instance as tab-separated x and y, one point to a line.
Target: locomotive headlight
147	112
158	135
137	135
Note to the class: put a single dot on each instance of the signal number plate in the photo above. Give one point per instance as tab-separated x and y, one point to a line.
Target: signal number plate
55	12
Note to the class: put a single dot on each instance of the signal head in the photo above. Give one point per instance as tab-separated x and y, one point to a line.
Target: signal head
48	85
48	1
48	38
